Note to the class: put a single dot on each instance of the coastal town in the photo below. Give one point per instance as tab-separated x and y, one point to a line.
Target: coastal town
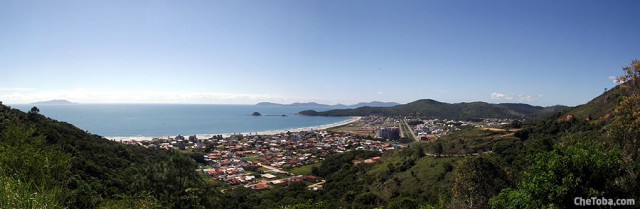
261	161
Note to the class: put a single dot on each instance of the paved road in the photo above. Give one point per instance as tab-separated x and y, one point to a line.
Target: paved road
411	131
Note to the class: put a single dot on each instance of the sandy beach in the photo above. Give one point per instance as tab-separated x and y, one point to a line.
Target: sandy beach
273	132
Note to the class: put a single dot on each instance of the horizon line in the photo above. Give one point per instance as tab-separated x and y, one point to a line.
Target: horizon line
248	104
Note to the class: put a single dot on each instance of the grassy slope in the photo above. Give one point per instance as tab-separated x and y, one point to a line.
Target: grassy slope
473	140
428	180
303	170
599	107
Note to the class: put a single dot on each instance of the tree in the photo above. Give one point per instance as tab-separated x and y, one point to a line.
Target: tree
476	180
625	125
308	205
627	113
438	149
34	111
402	203
555	178
516	124
368	199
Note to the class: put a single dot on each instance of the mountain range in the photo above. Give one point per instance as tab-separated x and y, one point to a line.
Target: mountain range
337	106
435	109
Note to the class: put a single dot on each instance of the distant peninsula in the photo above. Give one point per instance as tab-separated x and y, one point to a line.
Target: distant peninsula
435	109
53	102
338	106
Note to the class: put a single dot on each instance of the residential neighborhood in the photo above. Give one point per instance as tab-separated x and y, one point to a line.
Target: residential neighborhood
262	161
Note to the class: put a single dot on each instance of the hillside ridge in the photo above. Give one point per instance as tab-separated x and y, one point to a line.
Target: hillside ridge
436	109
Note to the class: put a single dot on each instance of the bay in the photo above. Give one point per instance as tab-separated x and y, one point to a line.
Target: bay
162	120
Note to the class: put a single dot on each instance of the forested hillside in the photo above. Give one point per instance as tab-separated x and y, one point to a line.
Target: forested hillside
47	163
435	109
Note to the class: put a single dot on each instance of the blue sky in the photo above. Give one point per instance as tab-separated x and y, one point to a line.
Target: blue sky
244	52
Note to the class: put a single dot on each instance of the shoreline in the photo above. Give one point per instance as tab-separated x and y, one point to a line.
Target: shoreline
269	132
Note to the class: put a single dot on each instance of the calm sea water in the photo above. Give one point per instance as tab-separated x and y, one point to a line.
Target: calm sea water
161	120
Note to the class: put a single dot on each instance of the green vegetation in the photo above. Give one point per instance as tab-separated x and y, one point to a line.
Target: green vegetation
304	170
53	164
407	132
252	158
346	127
29	171
18	194
474	140
601	107
544	164
478	179
435	109
556	177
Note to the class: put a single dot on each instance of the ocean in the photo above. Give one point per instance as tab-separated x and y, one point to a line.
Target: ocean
122	121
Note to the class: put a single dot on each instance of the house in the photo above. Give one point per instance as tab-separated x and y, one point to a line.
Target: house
268	175
260	187
311	178
232	171
279	182
216	173
296	179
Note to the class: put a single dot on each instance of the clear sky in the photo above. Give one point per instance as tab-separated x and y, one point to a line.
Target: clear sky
244	52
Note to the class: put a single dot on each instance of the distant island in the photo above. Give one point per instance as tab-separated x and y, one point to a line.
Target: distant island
338	106
53	102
